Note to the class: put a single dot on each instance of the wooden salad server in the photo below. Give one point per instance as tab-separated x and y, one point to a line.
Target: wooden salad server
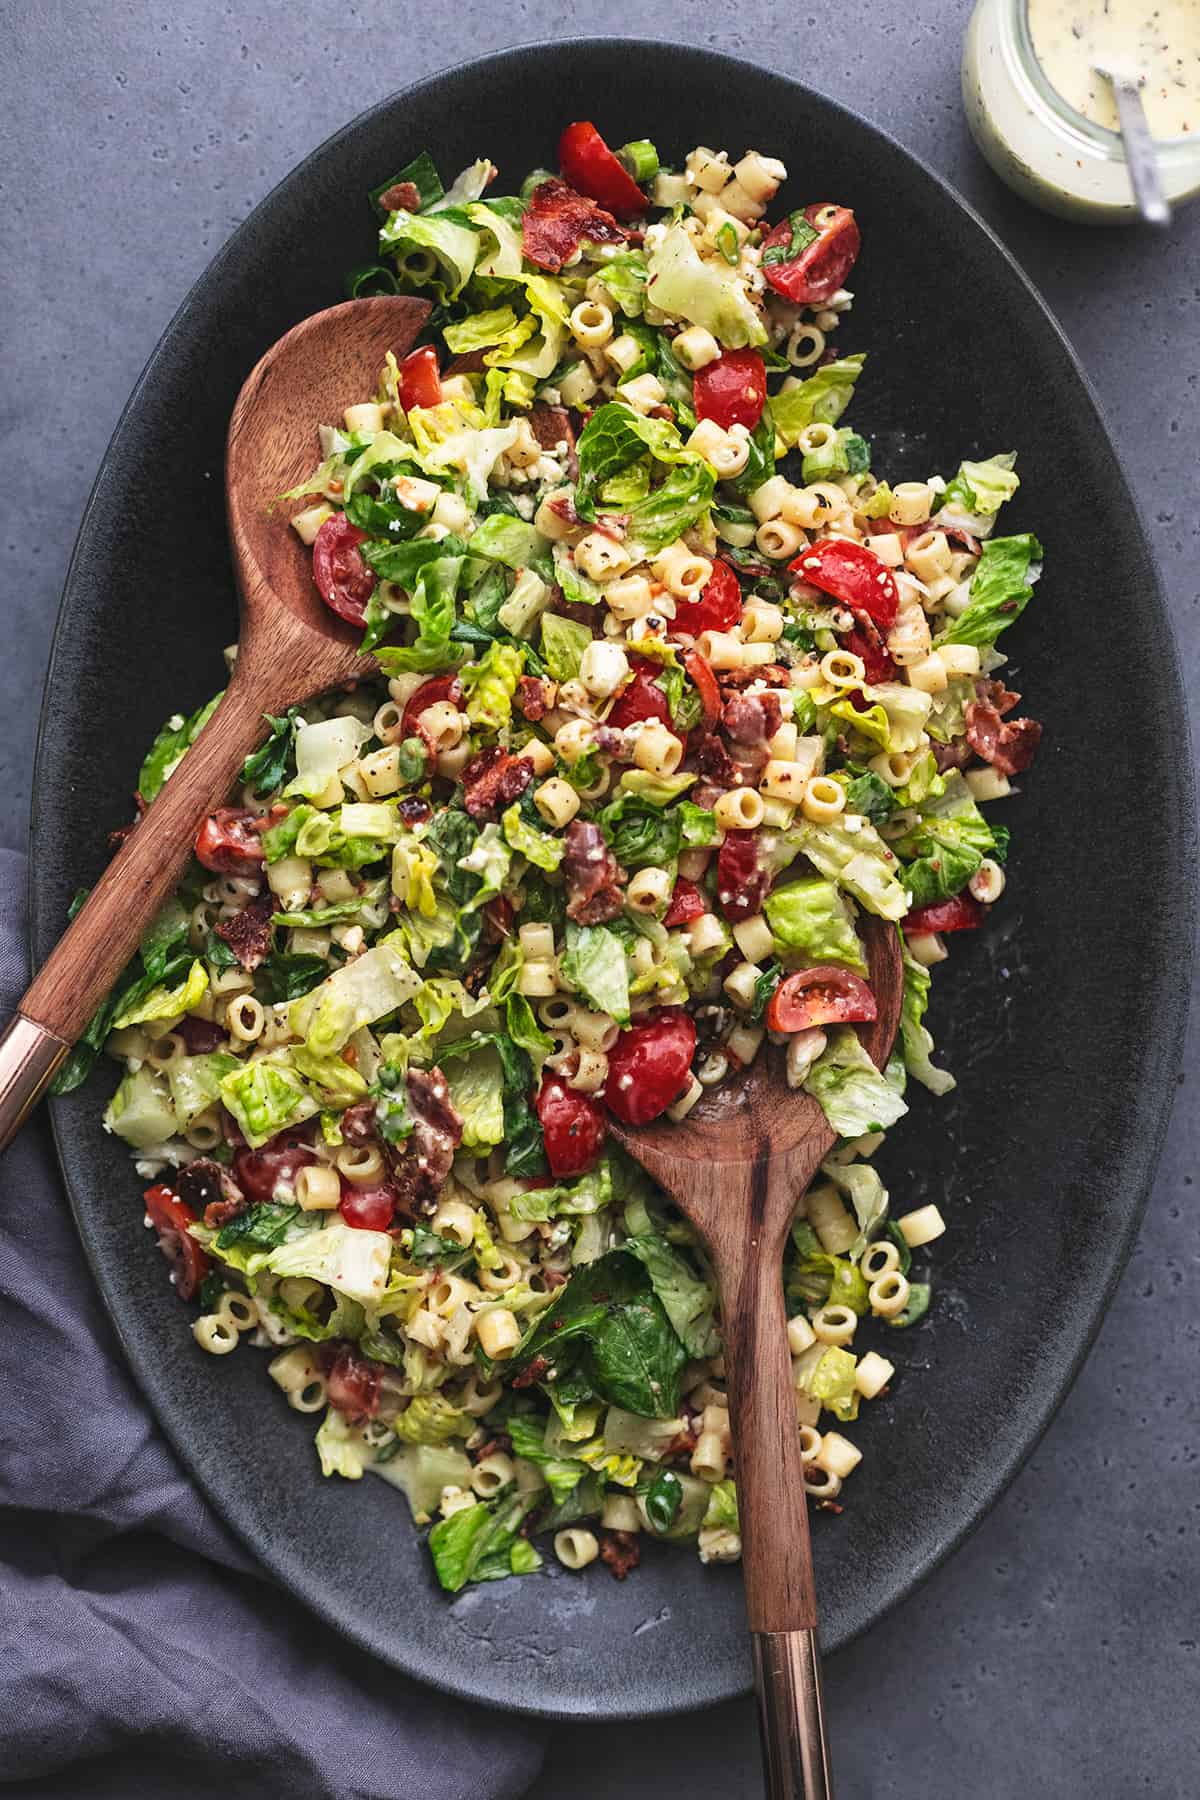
291	648
736	1166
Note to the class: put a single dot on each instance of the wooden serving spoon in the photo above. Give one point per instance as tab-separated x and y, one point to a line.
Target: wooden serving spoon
291	648
736	1166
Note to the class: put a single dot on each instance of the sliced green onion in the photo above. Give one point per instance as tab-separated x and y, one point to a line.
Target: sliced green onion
640	158
727	243
533	180
366	279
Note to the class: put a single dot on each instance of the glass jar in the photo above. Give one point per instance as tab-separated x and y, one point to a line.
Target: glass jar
1036	142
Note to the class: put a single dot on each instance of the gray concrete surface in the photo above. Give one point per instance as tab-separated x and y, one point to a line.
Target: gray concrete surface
1058	1653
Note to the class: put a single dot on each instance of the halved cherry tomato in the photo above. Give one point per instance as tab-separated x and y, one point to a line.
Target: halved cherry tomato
741	882
228	844
343	579
572	1125
826	995
259	1172
649	1064
420	383
700	670
961	913
590	166
719	605
442	687
732	390
818	270
687	903
852	574
170	1217
877	664
352	1384
368	1209
642	698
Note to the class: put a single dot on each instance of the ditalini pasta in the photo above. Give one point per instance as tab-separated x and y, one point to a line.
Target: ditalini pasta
671	687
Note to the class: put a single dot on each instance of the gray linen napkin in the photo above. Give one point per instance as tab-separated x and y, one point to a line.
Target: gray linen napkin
142	1651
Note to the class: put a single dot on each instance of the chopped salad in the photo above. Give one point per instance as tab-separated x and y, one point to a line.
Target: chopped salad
672	688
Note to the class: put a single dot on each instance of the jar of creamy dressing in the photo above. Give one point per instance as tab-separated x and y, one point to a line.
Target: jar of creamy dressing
1047	122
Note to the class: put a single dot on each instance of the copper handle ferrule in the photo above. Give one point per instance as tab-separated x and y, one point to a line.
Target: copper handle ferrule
29	1056
791	1715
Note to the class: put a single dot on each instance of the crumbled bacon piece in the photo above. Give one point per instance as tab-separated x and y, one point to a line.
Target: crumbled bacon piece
591	873
359	1123
201	1036
1008	744
751	719
531	698
621	1551
712	761
402	196
951	756
421	1163
551	426
994	693
210	1189
531	1373
556	222
770	675
492	779
248	933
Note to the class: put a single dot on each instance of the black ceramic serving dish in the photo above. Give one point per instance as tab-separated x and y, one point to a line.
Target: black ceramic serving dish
1061	1019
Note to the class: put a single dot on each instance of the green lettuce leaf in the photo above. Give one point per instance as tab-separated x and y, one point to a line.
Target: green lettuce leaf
480	1543
489	686
608	1321
983	487
1000	591
170	746
537	847
914	1034
453	246
823	396
594	964
711	294
563	644
688	1300
811	923
853	1094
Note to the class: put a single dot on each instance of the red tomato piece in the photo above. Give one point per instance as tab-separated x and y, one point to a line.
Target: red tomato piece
642	698
741	882
589	165
228	844
352	1384
420	383
572	1125
700	670
343	579
442	687
368	1209
852	574
826	995
732	390
687	903
815	274
719	605
649	1065
259	1172
170	1218
961	913
877	664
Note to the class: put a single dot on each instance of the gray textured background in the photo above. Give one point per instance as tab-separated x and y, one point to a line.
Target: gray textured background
1058	1653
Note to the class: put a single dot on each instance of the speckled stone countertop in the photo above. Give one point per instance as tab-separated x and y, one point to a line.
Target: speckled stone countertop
1058	1653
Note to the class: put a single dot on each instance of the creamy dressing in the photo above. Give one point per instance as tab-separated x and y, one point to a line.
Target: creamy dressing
1160	43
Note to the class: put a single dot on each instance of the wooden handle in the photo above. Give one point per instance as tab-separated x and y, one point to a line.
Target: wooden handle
90	955
772	1508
